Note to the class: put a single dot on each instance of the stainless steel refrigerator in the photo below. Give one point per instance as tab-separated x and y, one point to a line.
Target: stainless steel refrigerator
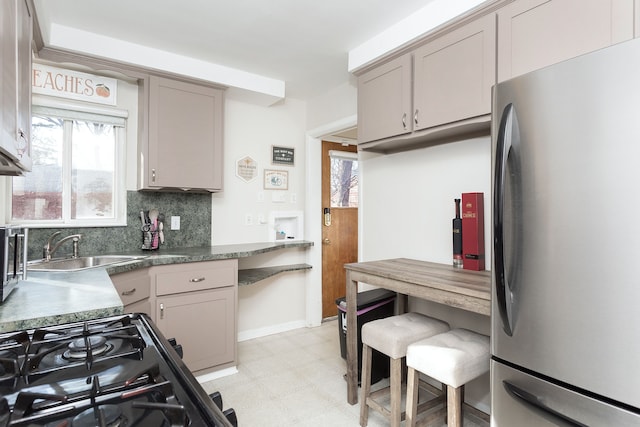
565	336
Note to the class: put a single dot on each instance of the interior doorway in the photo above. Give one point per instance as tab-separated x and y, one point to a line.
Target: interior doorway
339	220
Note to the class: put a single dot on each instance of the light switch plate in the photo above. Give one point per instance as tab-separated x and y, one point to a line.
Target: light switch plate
175	223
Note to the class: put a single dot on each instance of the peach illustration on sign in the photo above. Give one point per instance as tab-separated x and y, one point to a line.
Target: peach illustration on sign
102	90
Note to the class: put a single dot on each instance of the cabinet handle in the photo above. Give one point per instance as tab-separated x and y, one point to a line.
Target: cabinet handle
131	292
161	311
199	279
404	120
415	117
153	175
22	146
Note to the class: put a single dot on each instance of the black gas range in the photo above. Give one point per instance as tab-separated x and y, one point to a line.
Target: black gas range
116	371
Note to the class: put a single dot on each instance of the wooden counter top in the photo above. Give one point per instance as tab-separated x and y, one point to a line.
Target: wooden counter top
464	289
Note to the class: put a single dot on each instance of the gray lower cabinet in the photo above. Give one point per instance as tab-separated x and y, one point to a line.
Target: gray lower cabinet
181	135
134	288
535	33
196	303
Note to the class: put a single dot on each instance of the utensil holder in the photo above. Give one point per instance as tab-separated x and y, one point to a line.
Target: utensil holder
150	241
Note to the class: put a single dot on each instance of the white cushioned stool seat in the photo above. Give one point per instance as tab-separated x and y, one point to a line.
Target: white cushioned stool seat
392	335
454	358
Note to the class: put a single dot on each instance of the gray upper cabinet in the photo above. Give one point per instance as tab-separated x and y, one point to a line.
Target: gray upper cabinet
535	33
385	100
454	74
16	34
439	90
182	136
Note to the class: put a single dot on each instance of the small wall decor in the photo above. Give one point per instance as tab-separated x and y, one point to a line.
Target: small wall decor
282	155
276	180
246	169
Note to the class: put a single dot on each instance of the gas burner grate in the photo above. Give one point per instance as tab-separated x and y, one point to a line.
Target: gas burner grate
145	399
83	346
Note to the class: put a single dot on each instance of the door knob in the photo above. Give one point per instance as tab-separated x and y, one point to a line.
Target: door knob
326	242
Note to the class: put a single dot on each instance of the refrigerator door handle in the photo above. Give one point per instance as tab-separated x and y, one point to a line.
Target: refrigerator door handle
535	401
503	147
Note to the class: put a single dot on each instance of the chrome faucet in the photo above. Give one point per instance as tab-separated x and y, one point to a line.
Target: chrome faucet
48	251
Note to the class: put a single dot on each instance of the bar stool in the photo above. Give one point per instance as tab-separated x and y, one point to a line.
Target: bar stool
391	336
454	358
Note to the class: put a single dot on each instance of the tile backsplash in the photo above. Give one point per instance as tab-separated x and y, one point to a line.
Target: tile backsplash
194	210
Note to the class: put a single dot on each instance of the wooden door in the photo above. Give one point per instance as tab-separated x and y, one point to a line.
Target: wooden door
340	236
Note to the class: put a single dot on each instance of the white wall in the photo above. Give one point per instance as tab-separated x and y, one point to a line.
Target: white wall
336	104
406	211
277	303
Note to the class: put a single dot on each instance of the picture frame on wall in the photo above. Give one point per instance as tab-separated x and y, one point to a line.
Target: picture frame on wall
282	155
276	179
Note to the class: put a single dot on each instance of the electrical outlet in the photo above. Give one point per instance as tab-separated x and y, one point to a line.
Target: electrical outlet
248	219
294	198
175	223
278	197
261	219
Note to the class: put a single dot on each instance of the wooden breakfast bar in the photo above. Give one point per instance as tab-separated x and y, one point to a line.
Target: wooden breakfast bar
441	283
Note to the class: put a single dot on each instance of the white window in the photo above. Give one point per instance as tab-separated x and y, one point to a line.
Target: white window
78	169
344	179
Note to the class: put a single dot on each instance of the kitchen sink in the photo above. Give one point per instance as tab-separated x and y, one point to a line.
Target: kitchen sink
81	263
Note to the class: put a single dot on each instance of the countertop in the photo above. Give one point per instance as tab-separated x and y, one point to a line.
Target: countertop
52	298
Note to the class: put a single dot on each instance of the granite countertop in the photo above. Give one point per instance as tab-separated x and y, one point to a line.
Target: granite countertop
46	299
202	253
52	298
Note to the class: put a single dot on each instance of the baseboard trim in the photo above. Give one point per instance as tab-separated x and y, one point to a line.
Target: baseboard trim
270	330
217	374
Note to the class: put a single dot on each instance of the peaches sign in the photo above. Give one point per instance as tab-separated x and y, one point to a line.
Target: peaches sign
70	84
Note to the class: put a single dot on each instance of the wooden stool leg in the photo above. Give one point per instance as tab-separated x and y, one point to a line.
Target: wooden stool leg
412	397
396	391
365	384
454	406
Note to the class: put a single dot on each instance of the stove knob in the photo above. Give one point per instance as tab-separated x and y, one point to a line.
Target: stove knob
217	399
177	347
230	414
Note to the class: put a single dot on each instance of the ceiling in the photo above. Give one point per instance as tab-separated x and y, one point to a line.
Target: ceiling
303	43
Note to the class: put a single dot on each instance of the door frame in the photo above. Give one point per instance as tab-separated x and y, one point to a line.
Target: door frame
313	206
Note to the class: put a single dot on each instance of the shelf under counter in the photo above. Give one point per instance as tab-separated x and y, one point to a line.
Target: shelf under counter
250	276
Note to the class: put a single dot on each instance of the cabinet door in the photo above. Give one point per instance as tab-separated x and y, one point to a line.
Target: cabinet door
384	100
453	75
143	306
132	286
9	78
23	102
15	95
185	135
203	323
535	33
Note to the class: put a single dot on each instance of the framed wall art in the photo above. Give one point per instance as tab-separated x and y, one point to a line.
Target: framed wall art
282	155
276	180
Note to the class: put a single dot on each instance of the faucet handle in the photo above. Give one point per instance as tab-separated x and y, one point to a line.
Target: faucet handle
76	241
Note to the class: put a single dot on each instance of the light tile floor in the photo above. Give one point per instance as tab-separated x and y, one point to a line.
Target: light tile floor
294	378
